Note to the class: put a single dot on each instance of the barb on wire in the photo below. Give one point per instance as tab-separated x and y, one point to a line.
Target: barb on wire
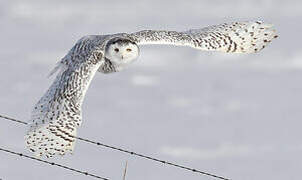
133	153
53	164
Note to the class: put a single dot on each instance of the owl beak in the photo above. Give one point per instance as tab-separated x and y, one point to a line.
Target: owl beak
122	57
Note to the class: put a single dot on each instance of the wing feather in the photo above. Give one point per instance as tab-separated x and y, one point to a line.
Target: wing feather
56	116
236	37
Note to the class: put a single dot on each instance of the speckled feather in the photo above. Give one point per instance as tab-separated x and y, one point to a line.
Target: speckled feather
56	116
237	37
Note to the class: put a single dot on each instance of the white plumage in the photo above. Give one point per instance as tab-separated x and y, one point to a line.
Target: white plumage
56	116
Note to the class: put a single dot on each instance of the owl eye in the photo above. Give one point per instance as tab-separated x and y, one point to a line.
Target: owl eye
116	50
129	50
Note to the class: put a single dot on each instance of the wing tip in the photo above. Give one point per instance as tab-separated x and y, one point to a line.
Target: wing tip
43	142
260	34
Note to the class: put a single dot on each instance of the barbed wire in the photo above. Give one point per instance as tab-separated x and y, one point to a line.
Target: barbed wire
53	164
131	152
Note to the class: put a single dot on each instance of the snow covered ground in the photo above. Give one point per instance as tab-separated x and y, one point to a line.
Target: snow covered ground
238	116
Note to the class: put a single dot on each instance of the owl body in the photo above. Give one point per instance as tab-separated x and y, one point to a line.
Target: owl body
56	116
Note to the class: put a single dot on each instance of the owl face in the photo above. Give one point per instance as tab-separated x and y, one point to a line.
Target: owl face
121	52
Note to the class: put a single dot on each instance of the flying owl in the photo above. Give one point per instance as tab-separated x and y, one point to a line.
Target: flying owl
57	115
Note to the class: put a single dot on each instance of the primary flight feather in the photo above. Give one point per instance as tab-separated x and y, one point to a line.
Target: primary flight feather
56	116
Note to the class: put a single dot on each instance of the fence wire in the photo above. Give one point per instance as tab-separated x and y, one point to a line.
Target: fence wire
131	153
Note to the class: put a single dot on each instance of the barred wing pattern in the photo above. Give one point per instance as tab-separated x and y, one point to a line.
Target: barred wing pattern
237	37
56	116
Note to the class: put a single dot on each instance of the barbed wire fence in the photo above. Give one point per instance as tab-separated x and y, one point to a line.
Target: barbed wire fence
52	163
130	152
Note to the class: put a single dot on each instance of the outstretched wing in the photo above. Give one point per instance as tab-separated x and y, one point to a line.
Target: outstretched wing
236	37
55	118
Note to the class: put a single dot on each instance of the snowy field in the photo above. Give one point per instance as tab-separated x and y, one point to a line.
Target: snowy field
238	116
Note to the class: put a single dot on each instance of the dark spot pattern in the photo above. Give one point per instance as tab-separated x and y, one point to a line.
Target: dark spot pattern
57	114
237	37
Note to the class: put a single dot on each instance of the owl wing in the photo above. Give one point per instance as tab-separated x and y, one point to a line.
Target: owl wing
236	37
56	116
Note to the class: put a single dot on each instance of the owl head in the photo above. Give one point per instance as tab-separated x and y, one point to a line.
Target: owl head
121	52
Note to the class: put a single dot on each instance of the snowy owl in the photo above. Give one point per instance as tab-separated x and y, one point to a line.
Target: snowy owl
55	118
